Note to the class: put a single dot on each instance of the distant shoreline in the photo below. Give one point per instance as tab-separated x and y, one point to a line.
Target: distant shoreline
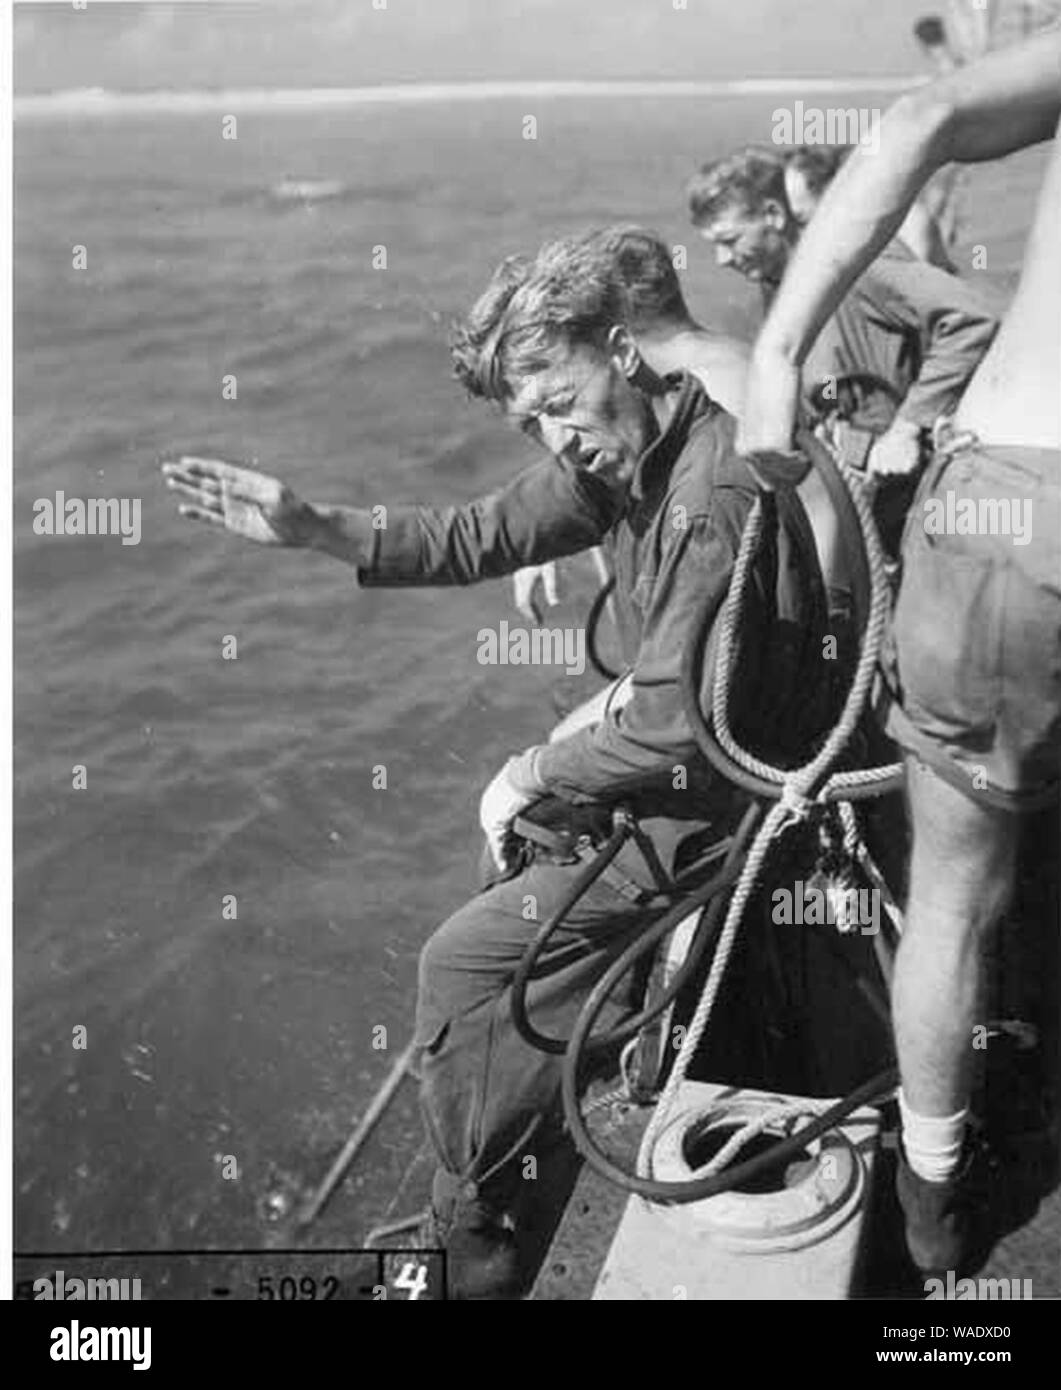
98	101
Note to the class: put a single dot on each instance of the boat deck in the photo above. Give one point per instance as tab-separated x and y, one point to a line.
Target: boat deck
819	1028
577	1253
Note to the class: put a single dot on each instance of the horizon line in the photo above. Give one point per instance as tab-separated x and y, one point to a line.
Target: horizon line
93	100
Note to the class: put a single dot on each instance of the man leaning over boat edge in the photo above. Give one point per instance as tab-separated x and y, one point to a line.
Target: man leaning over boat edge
648	463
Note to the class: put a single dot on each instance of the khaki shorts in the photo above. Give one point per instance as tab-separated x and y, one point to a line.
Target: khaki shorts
973	663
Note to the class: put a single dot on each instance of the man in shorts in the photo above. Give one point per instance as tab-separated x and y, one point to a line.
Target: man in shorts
976	682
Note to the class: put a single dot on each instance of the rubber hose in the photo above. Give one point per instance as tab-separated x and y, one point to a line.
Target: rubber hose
592	623
706	932
697	1188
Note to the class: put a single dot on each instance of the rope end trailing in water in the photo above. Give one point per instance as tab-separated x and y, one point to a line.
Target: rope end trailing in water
401	1068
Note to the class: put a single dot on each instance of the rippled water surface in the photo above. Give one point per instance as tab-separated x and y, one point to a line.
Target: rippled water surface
251	1037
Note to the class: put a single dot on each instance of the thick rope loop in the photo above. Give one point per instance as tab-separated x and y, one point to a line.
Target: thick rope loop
800	787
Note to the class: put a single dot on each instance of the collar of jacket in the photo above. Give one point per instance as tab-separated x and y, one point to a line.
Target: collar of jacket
656	462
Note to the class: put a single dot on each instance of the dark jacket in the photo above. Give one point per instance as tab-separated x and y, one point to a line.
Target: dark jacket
912	333
672	541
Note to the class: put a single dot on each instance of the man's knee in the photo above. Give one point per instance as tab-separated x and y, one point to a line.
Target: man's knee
473	955
450	947
964	850
432	961
449	982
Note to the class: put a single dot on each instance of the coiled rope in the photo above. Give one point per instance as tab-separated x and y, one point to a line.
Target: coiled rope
801	790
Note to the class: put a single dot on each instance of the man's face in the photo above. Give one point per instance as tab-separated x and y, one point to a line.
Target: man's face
583	408
753	242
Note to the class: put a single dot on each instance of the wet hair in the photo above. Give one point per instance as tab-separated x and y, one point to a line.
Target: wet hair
470	335
638	258
746	179
576	289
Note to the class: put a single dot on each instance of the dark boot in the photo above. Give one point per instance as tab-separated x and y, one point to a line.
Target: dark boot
479	1241
946	1222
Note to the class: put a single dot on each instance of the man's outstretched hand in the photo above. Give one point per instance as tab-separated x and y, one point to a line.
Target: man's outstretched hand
244	501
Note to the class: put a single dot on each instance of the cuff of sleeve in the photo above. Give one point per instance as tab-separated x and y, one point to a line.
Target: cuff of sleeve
348	534
561	767
524	775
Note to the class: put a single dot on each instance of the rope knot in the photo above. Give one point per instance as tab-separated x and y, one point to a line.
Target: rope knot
795	803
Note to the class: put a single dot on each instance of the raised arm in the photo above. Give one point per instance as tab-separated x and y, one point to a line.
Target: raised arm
546	511
1007	101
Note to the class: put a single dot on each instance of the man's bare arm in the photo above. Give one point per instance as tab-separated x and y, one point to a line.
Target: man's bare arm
1005	102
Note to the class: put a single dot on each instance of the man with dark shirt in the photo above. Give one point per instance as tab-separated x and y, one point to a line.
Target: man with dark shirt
644	464
894	357
910	334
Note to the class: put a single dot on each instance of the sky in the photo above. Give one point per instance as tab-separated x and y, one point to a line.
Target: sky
305	43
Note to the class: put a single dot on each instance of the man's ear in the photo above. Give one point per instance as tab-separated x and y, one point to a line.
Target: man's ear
799	200
775	215
622	347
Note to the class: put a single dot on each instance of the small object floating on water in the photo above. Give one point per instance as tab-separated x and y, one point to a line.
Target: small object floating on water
306	190
276	1205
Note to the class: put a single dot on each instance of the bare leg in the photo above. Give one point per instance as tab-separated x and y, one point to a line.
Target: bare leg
961	876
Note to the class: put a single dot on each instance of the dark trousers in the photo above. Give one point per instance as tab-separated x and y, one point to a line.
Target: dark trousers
485	1092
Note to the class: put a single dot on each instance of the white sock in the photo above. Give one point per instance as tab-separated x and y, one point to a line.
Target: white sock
932	1143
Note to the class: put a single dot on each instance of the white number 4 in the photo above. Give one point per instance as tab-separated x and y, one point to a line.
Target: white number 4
415	1283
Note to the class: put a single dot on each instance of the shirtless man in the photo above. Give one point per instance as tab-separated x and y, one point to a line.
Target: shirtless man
976	676
970	29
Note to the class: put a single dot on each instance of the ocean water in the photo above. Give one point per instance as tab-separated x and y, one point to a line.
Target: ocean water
252	1038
